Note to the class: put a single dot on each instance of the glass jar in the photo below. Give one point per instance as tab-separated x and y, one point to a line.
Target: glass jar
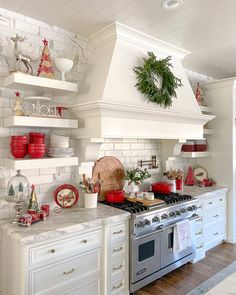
17	188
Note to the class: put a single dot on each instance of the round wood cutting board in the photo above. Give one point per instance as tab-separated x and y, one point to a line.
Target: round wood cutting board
110	170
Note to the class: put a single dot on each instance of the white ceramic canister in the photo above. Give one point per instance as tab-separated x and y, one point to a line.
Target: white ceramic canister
90	200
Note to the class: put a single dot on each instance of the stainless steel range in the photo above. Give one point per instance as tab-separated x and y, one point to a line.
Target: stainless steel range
152	236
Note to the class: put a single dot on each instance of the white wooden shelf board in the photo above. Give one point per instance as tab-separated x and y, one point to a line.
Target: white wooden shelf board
195	154
21	164
207	131
24	81
23	121
206	109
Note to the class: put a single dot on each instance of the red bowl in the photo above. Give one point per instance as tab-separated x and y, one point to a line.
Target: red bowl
37	140
19	137
19	154
36	134
36	154
115	196
161	187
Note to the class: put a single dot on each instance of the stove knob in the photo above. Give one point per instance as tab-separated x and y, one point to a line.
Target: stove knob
189	208
146	222
156	219
140	224
194	207
164	216
183	210
178	213
172	214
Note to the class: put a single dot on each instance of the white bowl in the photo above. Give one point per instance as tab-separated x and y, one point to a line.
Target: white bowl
59	145
64	65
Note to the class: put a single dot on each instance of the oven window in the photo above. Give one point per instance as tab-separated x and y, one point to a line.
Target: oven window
170	240
146	250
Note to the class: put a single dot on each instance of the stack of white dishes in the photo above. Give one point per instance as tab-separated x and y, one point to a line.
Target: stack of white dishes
59	147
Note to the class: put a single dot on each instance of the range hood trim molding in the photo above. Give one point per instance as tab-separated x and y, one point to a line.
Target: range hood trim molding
119	31
108	108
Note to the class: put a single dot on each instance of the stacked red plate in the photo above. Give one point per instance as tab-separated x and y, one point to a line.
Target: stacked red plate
36	147
19	146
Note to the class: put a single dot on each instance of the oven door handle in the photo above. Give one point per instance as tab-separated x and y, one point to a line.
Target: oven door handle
149	234
193	217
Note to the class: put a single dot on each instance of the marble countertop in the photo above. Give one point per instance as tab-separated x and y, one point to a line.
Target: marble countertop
197	191
68	221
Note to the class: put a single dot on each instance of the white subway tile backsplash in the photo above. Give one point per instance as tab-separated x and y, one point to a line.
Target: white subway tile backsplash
122	146
26	27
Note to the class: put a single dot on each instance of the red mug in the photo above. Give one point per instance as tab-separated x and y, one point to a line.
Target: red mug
179	184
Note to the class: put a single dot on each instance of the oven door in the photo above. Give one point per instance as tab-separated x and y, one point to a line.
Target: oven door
145	256
167	255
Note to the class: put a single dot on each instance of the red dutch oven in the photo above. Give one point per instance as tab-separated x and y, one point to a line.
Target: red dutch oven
161	187
115	196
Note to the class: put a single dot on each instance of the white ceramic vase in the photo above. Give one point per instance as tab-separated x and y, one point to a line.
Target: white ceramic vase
130	188
90	200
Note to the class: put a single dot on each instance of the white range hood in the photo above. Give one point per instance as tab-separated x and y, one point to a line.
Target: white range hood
110	106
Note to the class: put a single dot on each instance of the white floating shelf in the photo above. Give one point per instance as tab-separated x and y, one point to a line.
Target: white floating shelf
207	131
23	121
195	154
24	81
23	164
206	109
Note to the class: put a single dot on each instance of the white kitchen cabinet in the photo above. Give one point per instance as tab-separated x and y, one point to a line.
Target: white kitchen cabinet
220	96
116	259
214	220
71	265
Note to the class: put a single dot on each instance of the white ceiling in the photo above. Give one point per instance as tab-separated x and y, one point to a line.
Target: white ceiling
205	27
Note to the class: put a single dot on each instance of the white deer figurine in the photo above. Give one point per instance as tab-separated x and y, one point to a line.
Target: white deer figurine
20	57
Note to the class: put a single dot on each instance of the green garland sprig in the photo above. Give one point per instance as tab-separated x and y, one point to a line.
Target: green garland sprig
148	75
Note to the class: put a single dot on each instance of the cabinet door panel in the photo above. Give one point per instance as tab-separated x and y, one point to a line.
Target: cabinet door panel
90	288
46	279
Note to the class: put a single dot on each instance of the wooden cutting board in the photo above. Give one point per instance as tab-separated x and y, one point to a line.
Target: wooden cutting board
111	171
148	203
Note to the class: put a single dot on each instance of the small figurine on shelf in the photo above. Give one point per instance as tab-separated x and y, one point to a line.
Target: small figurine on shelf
190	177
18	108
45	68
199	94
20	57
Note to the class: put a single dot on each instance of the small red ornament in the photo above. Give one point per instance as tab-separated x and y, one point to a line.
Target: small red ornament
17	93
190	177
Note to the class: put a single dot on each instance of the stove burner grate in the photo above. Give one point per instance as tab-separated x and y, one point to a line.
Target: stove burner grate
172	198
127	206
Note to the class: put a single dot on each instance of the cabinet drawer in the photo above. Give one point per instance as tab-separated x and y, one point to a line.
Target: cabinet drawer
118	287
117	267
199	246
118	249
63	248
214	201
92	288
216	231
44	280
198	231
214	215
117	232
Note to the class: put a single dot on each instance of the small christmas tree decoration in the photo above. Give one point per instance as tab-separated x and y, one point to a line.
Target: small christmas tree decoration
18	108
33	203
11	191
190	177
45	68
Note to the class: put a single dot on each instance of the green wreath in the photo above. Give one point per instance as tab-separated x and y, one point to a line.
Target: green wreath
148	75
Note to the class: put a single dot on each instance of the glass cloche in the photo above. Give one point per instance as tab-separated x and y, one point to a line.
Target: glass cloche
17	191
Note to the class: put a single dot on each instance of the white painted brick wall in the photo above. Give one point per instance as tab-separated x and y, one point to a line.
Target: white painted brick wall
46	180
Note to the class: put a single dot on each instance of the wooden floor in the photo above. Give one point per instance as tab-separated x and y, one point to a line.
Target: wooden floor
189	276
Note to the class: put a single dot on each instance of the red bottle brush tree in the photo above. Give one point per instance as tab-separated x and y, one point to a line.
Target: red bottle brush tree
190	177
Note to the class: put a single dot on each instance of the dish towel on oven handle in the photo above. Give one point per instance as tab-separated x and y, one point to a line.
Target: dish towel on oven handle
183	237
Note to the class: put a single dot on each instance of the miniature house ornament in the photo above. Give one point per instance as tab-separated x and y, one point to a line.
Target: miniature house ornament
18	108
